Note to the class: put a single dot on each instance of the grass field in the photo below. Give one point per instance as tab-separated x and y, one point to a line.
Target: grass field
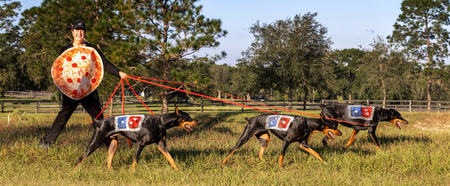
416	155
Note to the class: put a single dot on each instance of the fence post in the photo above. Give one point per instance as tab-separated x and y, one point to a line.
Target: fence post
3	106
202	103
37	107
111	108
368	103
242	106
284	104
410	106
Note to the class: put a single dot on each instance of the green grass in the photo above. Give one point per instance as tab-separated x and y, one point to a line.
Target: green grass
417	154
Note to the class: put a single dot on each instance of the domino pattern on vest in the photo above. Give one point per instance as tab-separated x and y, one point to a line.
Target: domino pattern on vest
279	122
128	122
360	112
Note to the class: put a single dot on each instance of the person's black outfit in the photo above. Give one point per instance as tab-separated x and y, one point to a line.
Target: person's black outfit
90	103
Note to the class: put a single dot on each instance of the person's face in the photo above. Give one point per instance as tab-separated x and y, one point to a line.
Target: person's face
78	34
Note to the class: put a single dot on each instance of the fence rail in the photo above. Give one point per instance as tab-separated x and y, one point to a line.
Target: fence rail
23	104
132	105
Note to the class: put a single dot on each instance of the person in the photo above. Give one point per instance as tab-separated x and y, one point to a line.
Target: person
90	103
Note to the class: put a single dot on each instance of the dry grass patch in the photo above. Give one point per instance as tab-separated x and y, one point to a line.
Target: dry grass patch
433	122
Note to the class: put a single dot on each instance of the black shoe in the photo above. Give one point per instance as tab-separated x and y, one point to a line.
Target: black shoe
43	145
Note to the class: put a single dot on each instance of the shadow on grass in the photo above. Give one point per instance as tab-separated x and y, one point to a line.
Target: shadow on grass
17	133
391	140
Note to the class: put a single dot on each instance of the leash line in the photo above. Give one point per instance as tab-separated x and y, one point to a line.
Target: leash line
112	95
201	95
282	109
138	97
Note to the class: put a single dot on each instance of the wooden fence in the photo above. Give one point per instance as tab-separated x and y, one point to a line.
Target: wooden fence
134	106
28	94
23	103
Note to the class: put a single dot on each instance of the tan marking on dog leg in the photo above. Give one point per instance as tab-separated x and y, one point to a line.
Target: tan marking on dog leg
314	153
262	148
133	165
280	162
111	152
169	158
226	159
78	164
352	138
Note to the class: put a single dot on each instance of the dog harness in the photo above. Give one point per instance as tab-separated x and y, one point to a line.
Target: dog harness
360	112
128	122
279	122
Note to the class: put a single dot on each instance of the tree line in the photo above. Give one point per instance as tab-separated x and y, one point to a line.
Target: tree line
289	59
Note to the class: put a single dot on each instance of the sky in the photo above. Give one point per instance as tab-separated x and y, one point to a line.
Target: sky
350	23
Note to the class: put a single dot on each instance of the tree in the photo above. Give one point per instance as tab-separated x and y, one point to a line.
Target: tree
420	29
345	65
288	54
221	78
196	72
384	73
10	74
170	31
46	29
245	79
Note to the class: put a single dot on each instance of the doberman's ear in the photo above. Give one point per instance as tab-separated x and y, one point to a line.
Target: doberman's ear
176	110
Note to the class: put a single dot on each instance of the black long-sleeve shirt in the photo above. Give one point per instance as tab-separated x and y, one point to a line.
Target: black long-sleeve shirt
107	65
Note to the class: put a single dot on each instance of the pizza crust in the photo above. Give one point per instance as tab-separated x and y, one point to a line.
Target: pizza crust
78	71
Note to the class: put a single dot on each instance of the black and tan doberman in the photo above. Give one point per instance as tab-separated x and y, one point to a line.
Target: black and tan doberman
340	111
292	129
142	129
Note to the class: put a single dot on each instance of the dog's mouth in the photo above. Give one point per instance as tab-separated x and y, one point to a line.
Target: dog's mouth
331	133
188	126
398	122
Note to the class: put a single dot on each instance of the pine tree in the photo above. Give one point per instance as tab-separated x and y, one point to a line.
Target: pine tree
420	29
170	31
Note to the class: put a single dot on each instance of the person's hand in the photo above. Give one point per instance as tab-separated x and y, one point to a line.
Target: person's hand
122	74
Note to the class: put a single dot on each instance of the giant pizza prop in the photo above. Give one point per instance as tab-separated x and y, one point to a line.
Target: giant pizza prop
78	71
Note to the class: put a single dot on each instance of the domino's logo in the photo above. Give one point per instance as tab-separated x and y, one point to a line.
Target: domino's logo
279	122
129	122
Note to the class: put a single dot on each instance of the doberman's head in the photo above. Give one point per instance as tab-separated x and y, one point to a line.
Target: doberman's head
394	117
328	128
184	120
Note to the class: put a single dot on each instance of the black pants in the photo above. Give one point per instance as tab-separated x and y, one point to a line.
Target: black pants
90	103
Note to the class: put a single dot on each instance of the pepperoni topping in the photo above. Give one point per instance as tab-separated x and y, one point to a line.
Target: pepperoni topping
93	80
75	91
78	80
61	68
69	59
83	57
69	80
74	65
86	74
